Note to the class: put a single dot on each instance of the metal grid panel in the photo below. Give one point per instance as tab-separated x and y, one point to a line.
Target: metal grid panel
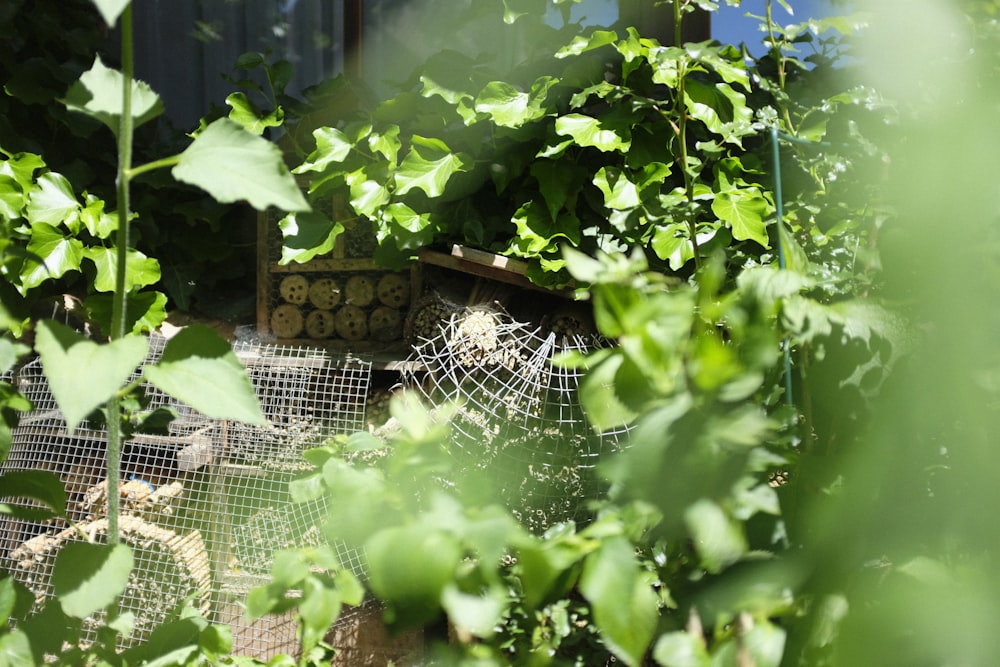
206	506
519	414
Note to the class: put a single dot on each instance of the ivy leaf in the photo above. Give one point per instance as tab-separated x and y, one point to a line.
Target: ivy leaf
146	310
98	94
232	164
410	230
88	577
744	211
427	168
508	107
140	270
332	146
96	221
624	604
52	201
368	195
557	183
582	44
589	131
82	374
199	368
58	255
249	116
111	9
306	235
619	192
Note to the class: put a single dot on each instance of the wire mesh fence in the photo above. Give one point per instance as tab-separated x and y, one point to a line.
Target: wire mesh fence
204	506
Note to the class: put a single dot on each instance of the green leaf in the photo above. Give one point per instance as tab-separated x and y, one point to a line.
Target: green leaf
427	169
246	114
53	201
478	615
145	310
139	269
199	368
232	164
509	107
332	146
680	649
40	485
367	195
96	221
58	253
413	585
589	131
744	211
318	610
98	94
111	9
624	604
584	43
82	374
557	183
718	539
88	577
306	235
15	650
619	192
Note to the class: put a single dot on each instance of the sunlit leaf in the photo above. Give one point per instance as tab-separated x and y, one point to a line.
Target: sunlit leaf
428	170
590	131
59	255
332	146
306	235
744	211
584	43
82	374
111	9
98	93
619	192
199	368
232	164
681	649
139	269
88	577
53	201
250	117
478	615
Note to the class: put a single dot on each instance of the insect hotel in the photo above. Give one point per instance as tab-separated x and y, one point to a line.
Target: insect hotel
206	506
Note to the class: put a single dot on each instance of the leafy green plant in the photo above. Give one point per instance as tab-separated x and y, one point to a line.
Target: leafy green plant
197	366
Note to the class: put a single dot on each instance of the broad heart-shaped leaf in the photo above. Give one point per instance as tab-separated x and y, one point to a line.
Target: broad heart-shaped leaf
82	374
139	269
111	9
306	235
744	210
39	485
88	577
589	131
58	253
199	368
231	164
619	192
98	93
52	201
624	604
428	169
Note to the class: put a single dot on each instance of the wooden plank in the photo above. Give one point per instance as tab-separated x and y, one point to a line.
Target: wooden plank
332	264
490	259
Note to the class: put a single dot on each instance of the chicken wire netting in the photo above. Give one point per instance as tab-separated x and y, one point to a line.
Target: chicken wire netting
518	411
204	506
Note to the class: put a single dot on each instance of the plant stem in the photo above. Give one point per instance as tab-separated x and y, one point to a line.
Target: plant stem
132	172
682	133
118	307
